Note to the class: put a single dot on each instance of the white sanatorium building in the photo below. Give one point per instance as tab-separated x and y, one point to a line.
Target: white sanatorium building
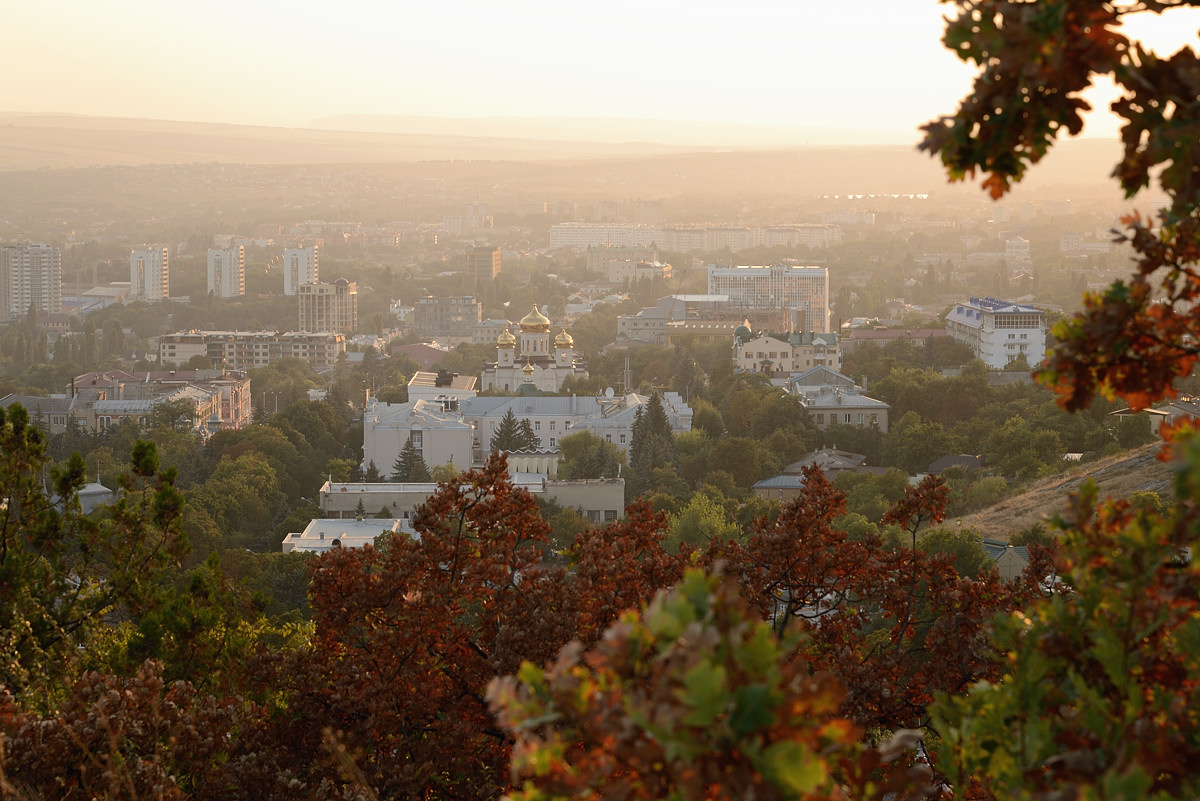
999	331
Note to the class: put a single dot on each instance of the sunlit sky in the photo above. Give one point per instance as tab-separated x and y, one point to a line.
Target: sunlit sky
861	64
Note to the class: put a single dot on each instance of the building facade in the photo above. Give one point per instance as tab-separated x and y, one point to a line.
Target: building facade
999	331
300	266
329	307
781	355
30	276
241	350
435	428
483	263
447	317
149	273
804	290
227	271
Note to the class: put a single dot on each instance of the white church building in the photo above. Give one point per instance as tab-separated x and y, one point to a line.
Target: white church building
532	358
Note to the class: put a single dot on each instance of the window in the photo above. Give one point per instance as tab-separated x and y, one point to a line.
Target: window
608	437
610	514
847	418
551	425
553	442
415	438
821	418
537	425
622	439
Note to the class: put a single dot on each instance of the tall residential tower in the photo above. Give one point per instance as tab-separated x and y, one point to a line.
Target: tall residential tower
299	267
227	271
149	273
30	275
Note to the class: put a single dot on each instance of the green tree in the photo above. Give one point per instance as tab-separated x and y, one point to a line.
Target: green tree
585	455
651	447
409	465
702	519
514	435
62	572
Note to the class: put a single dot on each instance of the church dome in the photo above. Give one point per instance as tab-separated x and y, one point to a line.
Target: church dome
564	340
742	332
535	322
527	369
506	340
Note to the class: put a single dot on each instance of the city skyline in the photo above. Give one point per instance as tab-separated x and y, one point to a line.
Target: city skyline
857	65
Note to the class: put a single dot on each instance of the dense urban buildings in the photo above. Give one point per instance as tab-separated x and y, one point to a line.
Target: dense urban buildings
227	271
998	331
150	273
329	307
802	290
30	277
686	238
300	266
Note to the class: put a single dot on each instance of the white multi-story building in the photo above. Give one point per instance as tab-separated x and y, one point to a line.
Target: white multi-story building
999	331
30	275
779	286
149	273
299	267
243	350
227	271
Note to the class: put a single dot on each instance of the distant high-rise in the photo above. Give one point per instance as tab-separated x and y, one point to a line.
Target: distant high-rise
227	271
483	263
299	267
802	290
329	307
149	273
30	275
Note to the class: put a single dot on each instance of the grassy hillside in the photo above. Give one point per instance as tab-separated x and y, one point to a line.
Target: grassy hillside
1118	476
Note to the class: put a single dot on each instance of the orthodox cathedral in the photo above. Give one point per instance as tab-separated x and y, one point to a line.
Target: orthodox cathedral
531	358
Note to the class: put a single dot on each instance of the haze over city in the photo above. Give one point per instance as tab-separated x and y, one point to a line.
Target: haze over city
853	71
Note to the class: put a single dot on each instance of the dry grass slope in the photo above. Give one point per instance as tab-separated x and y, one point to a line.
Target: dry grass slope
1117	476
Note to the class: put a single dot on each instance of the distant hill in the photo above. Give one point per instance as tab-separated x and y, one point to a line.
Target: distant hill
1118	476
677	133
1078	168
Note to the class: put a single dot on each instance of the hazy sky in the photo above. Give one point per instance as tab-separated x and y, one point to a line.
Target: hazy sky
866	64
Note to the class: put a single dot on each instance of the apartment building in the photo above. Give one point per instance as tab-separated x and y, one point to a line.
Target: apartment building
241	350
30	276
227	271
329	307
300	266
150	273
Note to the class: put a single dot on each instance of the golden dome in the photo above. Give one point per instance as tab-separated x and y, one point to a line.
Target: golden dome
535	322
564	340
527	369
506	340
